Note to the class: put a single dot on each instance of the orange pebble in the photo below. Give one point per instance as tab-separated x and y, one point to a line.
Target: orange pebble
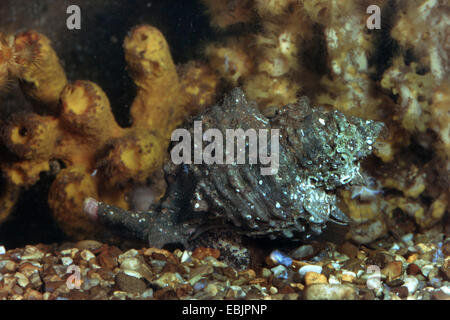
412	258
314	277
202	252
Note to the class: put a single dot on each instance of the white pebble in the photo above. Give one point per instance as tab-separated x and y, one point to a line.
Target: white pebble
132	273
309	268
407	237
445	289
66	261
2	250
333	280
411	283
426	269
130	264
86	255
186	257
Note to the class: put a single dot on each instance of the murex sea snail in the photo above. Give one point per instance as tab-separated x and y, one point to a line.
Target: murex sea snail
319	151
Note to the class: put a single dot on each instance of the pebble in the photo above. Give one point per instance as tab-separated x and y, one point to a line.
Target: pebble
186	256
133	274
413	269
169	279
332	279
393	270
31	294
2	250
128	254
130	284
201	271
86	255
91	245
412	258
411	283
32	253
280	272
130	264
408	238
302	252
72	252
309	268
348	276
324	291
213	290
22	280
426	269
401	292
90	283
265	273
314	277
66	261
147	293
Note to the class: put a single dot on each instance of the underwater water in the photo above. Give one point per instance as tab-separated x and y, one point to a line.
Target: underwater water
300	143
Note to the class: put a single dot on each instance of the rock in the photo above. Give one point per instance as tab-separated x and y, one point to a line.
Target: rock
302	252
160	254
90	245
130	284
8	266
348	276
67	261
212	289
128	254
324	291
130	264
402	292
186	256
107	261
411	283
22	280
413	269
87	255
169	280
426	269
265	273
412	258
88	284
32	253
395	283
147	293
31	294
314	277
393	270
201	271
280	272
309	268
440	295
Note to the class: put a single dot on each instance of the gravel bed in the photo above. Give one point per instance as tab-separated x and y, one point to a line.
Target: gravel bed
413	267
